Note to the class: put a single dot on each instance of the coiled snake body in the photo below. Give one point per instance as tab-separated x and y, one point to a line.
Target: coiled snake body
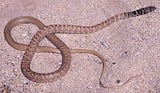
49	32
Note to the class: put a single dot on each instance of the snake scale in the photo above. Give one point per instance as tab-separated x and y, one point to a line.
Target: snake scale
62	48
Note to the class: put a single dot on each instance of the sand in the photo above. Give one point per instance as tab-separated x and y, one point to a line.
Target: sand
131	46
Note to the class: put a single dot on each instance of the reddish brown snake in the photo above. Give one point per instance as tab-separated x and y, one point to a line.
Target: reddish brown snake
62	48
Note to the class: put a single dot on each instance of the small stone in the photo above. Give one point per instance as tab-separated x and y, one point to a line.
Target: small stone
59	63
114	63
118	81
90	87
24	35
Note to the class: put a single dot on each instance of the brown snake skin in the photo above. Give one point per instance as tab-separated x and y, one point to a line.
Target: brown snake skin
62	48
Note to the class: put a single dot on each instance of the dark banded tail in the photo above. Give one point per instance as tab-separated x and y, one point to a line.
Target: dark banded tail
141	11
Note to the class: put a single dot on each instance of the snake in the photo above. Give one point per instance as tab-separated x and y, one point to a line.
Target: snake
50	32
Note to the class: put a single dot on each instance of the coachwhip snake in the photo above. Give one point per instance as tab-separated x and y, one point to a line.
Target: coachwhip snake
49	32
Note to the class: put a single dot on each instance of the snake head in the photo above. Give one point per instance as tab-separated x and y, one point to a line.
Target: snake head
141	11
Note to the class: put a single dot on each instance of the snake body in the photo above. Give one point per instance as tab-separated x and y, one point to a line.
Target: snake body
49	32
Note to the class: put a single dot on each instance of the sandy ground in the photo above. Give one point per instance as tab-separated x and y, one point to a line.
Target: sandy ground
131	46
